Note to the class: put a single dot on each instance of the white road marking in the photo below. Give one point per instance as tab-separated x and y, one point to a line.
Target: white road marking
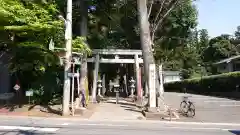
200	123
230	105
193	128
65	124
217	101
28	128
109	125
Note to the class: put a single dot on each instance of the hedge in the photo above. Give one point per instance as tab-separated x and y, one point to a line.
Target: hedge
226	82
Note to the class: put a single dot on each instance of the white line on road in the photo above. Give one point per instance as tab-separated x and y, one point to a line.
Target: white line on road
226	101
109	125
193	128
65	124
28	128
230	105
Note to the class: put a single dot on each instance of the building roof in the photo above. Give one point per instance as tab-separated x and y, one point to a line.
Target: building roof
227	60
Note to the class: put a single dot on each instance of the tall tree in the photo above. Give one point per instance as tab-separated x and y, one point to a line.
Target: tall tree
203	40
219	48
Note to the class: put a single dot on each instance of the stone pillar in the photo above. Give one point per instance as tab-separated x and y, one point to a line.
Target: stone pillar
140	83
125	83
161	80
103	84
137	75
95	78
152	86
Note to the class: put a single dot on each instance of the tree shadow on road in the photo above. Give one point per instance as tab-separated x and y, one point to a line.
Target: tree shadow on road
23	132
122	103
131	108
235	132
49	109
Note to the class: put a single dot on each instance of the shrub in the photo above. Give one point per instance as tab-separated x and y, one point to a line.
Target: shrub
48	88
226	82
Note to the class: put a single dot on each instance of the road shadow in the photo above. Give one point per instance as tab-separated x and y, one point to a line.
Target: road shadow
49	109
13	108
235	132
23	132
122	103
131	108
126	107
10	107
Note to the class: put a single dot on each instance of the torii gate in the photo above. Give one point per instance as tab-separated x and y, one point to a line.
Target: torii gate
116	52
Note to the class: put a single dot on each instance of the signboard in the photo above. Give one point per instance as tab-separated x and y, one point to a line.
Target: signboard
152	85
29	93
116	87
16	87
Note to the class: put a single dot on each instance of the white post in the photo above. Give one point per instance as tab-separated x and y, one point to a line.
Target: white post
72	95
77	102
68	39
78	83
161	81
152	86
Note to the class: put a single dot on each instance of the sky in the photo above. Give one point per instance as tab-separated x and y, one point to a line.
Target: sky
218	16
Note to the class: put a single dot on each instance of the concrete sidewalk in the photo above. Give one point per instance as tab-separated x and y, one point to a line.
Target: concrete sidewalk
122	111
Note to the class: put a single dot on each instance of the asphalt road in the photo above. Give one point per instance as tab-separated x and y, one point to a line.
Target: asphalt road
45	126
208	108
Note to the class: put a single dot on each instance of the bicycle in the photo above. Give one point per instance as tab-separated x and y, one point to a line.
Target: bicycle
187	107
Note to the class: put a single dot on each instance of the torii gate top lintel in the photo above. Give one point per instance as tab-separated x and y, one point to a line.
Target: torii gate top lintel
117	51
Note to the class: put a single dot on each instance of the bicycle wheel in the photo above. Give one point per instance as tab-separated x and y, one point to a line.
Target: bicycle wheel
190	112
184	107
191	105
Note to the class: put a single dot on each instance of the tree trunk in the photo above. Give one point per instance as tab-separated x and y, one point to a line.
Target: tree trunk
145	37
83	33
148	58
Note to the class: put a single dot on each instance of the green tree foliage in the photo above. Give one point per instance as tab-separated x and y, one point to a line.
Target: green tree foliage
27	28
174	40
203	40
219	48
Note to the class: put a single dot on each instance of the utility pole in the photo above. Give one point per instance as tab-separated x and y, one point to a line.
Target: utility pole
68	55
